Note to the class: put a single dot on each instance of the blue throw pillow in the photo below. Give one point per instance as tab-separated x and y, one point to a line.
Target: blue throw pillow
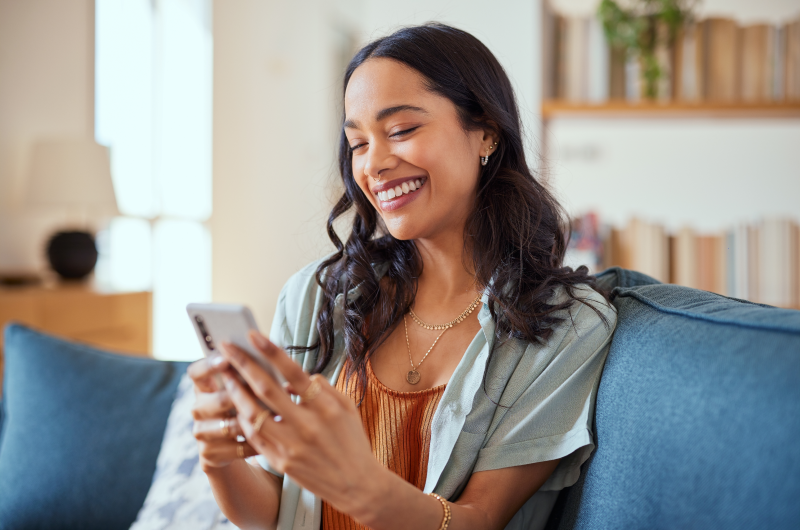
81	433
697	417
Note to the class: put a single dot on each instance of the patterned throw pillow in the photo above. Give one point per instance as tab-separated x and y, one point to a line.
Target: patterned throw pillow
180	497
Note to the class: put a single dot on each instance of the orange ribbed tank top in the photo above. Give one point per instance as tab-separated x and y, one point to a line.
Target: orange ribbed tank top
398	425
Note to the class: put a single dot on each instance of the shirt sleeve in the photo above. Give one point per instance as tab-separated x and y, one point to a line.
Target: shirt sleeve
280	335
552	418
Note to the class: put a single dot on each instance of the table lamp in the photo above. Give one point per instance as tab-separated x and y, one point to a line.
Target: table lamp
72	175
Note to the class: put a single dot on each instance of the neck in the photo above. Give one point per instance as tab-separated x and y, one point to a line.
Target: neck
445	278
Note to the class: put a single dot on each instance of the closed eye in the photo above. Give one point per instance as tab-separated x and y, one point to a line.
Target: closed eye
406	131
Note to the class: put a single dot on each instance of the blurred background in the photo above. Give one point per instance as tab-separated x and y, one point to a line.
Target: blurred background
160	152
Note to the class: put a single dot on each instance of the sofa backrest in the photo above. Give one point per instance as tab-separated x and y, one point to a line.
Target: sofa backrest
698	415
81	432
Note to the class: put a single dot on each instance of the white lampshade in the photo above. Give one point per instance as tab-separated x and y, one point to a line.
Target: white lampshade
71	174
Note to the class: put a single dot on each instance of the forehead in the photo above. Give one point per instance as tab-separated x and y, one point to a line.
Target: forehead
380	83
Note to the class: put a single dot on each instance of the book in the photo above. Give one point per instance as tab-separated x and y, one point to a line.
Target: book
791	83
685	258
633	78
779	64
740	269
598	59
576	48
757	62
774	255
664	58
645	247
616	73
721	44
550	49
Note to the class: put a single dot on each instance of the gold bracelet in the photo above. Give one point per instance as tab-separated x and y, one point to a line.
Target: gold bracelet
446	507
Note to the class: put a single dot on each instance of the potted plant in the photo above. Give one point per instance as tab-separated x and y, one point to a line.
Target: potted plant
640	28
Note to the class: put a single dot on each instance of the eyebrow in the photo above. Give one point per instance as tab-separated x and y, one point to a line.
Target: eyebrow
385	113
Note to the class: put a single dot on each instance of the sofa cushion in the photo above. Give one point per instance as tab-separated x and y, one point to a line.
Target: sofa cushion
697	417
180	497
81	433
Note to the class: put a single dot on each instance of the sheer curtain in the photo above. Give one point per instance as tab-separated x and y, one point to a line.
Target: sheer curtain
153	82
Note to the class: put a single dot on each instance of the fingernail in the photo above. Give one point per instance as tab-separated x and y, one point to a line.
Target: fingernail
216	360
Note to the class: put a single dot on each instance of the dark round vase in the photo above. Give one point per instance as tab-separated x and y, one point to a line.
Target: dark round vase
72	255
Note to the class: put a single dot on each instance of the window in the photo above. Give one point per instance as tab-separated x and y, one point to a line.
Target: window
153	82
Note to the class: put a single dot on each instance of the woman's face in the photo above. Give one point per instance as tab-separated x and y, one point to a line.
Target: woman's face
411	156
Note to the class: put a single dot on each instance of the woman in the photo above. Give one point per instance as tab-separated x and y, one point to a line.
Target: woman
455	358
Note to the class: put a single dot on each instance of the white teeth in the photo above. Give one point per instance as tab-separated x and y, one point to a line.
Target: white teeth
398	191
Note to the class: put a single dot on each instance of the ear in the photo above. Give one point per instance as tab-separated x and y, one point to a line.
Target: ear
489	141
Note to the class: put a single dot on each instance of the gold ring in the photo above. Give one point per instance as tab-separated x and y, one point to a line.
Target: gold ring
312	391
225	428
260	421
240	450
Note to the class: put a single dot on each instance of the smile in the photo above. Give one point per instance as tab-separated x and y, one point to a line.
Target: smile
398	191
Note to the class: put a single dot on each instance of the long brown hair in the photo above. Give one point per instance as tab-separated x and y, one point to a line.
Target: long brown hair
514	236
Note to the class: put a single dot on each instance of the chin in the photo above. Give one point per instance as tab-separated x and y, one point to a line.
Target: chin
404	229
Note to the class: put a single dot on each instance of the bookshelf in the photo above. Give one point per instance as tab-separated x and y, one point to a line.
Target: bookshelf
552	109
758	261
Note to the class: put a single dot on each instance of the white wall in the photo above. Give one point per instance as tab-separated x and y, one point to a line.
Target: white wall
46	88
709	174
274	115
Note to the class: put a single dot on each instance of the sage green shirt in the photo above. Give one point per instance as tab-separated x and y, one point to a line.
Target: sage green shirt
546	392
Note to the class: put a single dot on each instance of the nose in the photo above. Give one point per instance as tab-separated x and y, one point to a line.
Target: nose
378	159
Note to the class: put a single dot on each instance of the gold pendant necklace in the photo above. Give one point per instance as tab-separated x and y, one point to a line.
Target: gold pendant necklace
413	376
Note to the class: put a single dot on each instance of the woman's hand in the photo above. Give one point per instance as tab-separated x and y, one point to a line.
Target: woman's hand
215	425
320	443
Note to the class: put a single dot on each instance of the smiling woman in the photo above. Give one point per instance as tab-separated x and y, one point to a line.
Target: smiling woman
454	358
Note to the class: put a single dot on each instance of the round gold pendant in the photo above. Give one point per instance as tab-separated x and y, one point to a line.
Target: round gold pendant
413	377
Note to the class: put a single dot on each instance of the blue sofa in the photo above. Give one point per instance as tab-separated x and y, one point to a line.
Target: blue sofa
698	413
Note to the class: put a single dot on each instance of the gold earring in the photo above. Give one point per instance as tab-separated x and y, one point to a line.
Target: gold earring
485	159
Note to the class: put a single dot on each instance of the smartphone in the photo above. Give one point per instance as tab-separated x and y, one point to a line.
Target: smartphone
217	323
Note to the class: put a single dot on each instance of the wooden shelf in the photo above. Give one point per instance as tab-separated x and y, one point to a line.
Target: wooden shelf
623	109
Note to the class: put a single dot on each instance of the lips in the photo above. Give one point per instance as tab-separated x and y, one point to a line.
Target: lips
398	193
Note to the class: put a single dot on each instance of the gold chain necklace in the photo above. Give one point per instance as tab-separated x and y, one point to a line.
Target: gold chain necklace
413	376
450	324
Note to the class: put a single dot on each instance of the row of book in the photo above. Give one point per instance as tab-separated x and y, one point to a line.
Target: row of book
758	261
714	59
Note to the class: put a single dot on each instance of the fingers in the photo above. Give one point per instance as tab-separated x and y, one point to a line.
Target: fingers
202	372
297	379
263	385
213	405
220	454
249	410
217	430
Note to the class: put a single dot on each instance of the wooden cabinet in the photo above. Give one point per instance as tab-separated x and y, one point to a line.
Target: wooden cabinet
119	322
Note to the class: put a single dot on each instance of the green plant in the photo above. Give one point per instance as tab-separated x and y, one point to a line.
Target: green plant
638	27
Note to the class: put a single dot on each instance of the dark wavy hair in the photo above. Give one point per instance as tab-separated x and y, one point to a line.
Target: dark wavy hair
515	235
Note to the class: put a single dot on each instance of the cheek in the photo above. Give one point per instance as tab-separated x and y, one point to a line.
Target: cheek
362	181
450	165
